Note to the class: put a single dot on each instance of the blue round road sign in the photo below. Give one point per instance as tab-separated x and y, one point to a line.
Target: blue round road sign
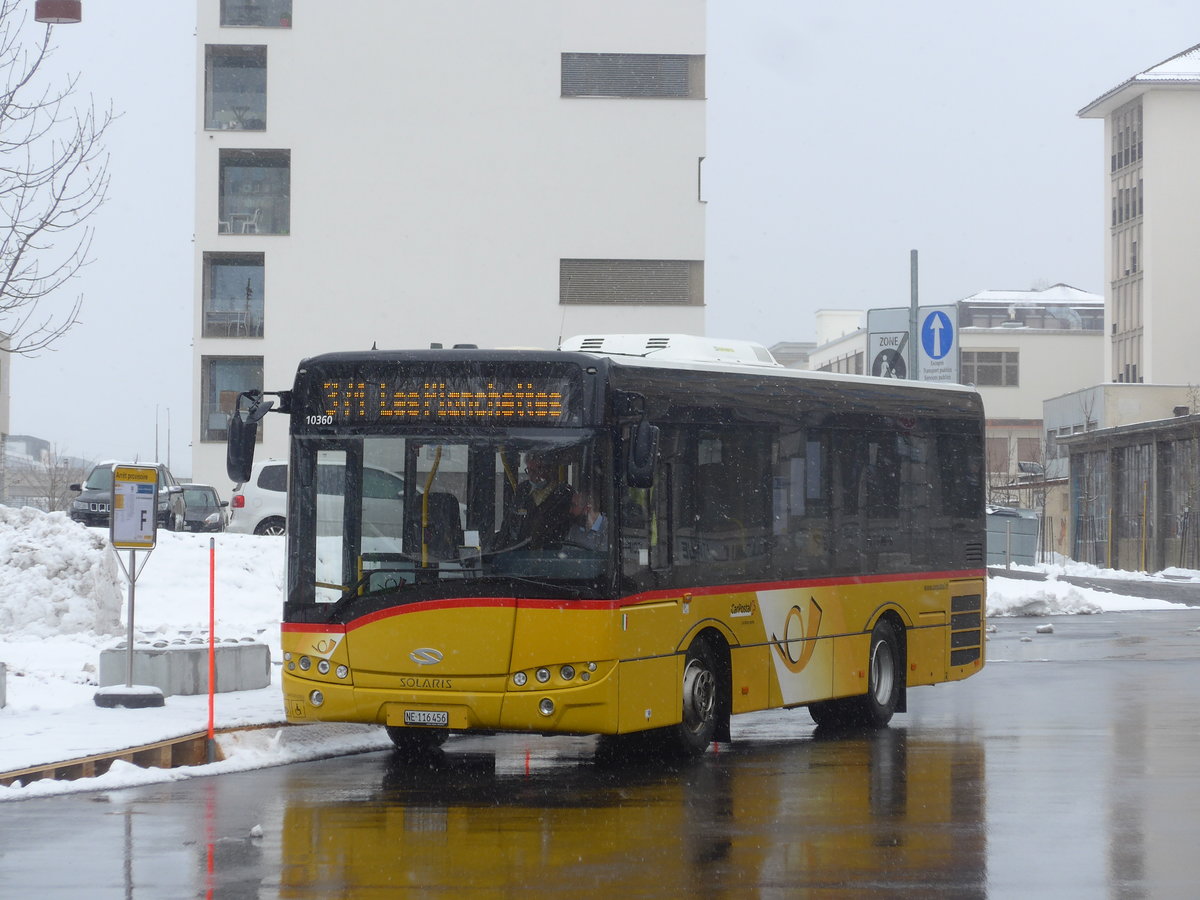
937	334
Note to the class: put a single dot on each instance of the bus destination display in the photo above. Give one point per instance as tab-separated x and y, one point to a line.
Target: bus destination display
542	400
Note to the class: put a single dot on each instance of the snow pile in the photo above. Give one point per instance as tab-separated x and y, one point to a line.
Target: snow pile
56	577
1018	597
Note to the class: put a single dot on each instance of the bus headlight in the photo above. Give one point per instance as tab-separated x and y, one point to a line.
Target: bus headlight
323	667
316	698
341	671
305	663
566	673
542	675
520	678
546	706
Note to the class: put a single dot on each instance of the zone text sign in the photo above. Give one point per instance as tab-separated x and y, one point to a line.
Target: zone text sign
134	520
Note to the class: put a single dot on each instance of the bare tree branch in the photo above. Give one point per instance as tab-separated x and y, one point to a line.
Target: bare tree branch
53	178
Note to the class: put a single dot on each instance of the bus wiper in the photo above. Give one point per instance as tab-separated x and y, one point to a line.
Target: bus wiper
549	585
352	591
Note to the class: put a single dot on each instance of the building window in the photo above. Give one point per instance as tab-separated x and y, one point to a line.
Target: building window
632	75
235	88
222	379
646	281
255	192
233	295
256	13
997	454
990	368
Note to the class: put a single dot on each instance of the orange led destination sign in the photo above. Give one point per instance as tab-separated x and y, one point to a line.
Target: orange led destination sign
449	399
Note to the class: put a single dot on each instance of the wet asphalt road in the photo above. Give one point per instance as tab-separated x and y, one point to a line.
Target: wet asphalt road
1068	768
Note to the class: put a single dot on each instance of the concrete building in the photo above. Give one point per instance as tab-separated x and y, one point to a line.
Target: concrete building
1131	448
1151	178
397	173
1017	348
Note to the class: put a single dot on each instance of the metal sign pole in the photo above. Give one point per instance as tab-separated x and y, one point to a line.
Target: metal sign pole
132	578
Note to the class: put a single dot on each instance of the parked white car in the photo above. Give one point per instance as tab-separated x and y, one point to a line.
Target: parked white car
260	505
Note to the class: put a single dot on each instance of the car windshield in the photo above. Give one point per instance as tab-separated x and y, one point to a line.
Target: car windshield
199	497
99	479
426	515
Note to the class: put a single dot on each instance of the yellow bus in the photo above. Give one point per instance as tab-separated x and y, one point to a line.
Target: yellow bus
633	534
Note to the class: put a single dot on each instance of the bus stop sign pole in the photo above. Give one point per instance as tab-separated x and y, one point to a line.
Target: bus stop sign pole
133	523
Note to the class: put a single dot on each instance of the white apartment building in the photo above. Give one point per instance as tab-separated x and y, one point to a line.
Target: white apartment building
396	173
1151	131
1016	347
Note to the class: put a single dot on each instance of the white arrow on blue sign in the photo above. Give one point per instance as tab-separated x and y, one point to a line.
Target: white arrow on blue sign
937	335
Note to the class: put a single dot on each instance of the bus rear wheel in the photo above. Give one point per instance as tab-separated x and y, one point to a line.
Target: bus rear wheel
698	727
415	741
885	678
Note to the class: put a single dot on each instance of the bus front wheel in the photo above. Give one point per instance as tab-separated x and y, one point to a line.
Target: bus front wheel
698	726
885	679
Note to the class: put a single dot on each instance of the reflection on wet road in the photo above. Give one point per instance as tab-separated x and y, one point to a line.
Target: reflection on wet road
1067	768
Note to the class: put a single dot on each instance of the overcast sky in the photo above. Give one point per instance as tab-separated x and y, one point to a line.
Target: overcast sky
840	137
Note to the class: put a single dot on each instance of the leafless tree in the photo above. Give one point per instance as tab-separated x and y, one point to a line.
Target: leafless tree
53	178
45	481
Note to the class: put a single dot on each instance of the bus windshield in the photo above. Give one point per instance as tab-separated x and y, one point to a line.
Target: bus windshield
405	517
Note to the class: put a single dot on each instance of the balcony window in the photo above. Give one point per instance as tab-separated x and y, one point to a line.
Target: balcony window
256	13
222	379
255	192
235	88
233	295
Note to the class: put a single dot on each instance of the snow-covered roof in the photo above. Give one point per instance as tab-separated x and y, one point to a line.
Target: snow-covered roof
1056	293
1179	71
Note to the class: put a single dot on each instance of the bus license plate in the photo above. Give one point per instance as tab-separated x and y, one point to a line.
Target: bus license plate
426	717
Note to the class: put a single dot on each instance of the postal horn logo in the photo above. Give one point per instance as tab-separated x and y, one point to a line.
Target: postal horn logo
426	656
798	637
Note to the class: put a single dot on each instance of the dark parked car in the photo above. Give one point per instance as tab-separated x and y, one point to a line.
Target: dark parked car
203	510
94	502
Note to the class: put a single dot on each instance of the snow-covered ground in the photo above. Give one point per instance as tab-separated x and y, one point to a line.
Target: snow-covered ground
62	601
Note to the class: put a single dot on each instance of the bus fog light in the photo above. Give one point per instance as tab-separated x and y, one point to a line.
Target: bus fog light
566	673
316	698
341	671
305	663
520	678
542	675
546	706
323	667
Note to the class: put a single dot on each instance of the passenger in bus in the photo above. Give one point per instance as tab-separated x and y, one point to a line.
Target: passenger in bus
589	526
540	513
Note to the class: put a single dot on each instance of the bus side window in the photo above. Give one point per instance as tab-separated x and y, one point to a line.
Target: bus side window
635	531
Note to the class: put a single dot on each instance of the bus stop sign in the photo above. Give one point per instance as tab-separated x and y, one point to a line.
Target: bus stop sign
133	521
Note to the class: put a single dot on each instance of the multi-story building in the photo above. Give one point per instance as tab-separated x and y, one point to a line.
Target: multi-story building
1151	130
396	173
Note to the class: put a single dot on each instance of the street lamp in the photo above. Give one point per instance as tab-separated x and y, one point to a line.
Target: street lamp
58	12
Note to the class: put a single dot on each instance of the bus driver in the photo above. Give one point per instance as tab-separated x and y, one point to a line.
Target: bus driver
541	509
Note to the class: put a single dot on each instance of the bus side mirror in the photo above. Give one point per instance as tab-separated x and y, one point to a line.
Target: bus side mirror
643	450
243	430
